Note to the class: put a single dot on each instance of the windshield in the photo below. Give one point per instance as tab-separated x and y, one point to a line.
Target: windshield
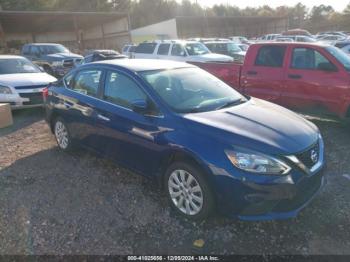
53	49
17	66
233	48
340	55
196	49
191	90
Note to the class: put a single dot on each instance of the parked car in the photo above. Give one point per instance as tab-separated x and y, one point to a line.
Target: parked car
228	48
302	76
100	55
243	47
344	46
269	37
296	38
208	145
297	31
22	82
183	51
128	50
239	39
56	59
342	34
331	39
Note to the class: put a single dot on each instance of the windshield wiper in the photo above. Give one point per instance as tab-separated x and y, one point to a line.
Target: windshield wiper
231	103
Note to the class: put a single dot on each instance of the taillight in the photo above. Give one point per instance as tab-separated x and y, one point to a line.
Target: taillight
45	93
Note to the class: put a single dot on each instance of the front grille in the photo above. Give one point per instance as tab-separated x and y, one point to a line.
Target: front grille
68	63
34	98
30	87
306	157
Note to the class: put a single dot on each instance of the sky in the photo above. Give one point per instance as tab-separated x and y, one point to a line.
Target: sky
338	5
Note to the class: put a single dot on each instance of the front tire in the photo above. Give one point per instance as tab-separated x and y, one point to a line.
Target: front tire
62	135
188	191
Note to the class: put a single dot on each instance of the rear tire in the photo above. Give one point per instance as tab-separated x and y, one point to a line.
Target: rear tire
62	135
188	191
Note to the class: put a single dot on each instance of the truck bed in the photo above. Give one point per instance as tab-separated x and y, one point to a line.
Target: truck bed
228	72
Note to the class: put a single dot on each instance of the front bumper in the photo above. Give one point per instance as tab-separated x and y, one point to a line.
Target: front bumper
258	197
23	100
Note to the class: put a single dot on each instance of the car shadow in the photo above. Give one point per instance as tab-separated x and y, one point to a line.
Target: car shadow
23	118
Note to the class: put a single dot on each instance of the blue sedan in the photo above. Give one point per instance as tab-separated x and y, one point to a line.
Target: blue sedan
211	148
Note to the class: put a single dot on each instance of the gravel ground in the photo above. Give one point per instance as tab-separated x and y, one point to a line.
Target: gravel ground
58	203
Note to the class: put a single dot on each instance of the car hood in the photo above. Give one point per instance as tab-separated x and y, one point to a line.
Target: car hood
210	58
264	126
64	55
27	79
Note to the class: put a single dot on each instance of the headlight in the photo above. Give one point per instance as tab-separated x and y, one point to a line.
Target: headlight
257	163
5	90
57	63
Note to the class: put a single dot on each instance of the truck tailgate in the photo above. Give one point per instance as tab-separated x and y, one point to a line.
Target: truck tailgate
230	73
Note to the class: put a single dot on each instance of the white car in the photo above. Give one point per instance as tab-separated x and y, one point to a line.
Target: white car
22	82
177	50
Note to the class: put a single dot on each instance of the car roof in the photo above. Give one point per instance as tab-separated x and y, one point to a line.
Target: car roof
10	56
138	65
293	43
220	42
43	44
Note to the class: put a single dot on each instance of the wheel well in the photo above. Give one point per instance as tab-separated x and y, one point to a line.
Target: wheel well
177	157
53	117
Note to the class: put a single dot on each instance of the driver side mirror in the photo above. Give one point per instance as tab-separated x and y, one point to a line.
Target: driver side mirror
140	106
328	67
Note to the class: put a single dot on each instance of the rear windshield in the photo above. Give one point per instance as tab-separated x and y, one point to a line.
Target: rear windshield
145	48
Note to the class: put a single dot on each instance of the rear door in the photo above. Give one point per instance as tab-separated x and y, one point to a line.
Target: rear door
163	51
77	104
124	135
308	85
263	77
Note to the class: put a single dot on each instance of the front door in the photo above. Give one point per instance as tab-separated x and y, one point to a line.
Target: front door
129	137
313	82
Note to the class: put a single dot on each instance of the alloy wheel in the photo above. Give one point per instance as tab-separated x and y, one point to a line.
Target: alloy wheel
185	192
61	134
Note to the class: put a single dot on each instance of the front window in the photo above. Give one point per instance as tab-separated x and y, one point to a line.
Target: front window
53	49
192	90
17	66
196	49
340	55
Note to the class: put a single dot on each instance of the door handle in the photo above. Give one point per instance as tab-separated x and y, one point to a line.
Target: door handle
99	116
252	73
295	76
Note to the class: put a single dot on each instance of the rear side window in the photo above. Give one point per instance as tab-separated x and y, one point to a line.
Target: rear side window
121	90
271	56
87	82
163	49
145	48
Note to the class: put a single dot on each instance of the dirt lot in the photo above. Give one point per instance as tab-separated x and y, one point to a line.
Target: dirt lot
57	203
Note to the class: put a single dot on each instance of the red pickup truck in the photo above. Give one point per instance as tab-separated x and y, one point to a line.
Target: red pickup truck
301	76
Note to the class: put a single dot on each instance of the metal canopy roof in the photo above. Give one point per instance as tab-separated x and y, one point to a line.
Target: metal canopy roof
41	22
